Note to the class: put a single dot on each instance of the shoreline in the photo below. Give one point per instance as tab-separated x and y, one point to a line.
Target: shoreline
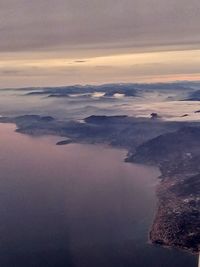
166	229
175	222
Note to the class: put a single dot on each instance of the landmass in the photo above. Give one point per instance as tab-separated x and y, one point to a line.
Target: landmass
64	142
193	96
118	131
177	221
108	90
172	146
184	90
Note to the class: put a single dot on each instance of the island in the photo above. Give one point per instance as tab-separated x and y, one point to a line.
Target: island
64	142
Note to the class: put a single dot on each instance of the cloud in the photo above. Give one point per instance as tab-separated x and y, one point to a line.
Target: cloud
80	61
52	42
93	24
118	68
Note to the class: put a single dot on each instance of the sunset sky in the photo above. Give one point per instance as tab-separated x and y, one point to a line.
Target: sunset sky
61	42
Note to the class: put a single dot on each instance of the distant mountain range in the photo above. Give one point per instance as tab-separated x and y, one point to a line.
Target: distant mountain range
109	90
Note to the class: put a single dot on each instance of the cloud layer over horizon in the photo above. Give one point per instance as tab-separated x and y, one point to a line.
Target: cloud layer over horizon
81	30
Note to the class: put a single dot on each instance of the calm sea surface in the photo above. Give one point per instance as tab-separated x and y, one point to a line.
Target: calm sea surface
76	205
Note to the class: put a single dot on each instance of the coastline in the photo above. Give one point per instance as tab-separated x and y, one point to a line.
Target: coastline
176	154
171	212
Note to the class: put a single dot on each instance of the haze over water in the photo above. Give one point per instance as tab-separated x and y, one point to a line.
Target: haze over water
76	205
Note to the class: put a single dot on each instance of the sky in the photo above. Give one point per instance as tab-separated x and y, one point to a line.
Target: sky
61	42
